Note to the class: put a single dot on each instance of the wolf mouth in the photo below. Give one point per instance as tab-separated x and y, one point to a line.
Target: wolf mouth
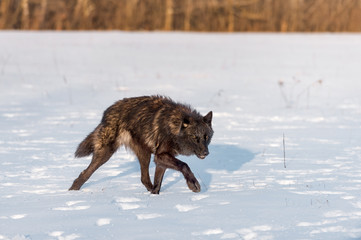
201	156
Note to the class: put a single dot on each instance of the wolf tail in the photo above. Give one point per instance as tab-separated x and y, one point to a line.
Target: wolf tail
86	147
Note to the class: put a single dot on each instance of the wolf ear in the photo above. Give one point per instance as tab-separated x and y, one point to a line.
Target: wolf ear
208	118
185	123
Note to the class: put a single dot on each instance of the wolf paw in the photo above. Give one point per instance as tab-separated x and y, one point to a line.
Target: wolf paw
75	187
155	190
194	185
150	188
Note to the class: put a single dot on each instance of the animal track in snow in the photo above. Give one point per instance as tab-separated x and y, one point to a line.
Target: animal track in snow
199	197
59	235
212	231
71	203
148	216
70	206
127	199
185	208
18	216
128	203
103	221
129	206
349	197
56	234
256	232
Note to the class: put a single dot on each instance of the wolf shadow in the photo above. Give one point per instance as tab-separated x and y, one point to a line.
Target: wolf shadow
222	157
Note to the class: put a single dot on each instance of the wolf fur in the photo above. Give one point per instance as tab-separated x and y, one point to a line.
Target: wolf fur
148	125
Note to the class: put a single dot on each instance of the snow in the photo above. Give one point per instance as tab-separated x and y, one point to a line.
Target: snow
54	87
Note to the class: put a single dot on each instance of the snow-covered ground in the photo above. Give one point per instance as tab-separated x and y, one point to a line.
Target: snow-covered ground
306	87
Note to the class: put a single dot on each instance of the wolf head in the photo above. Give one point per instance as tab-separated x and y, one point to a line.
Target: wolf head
195	135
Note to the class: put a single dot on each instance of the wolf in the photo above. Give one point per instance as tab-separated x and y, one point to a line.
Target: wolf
149	125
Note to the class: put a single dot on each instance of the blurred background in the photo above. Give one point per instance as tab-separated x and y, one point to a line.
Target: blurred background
183	15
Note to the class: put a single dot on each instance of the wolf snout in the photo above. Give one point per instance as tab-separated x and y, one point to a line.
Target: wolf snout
203	155
206	152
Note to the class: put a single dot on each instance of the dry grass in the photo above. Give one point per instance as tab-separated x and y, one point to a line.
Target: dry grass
183	15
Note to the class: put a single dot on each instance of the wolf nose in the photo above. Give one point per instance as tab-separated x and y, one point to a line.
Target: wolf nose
203	154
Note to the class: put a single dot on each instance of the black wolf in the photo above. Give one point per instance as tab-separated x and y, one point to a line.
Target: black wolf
148	125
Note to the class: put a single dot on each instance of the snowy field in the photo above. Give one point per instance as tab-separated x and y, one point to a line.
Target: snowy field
306	87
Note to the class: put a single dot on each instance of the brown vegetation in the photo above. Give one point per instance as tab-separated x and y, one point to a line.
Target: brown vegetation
183	15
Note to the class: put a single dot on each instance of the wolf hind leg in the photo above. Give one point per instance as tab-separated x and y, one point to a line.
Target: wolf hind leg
144	170
100	157
158	178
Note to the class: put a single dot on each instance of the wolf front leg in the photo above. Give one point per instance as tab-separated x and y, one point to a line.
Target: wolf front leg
143	156
166	160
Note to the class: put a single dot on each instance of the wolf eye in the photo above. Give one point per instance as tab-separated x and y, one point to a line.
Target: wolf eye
196	138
